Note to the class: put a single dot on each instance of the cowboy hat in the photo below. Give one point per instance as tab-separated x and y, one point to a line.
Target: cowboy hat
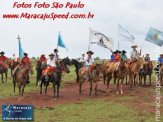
83	53
2	52
51	54
90	52
25	53
134	46
147	53
161	54
42	54
123	51
117	51
56	50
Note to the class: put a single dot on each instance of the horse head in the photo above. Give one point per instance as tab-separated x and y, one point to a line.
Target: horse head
64	63
141	62
98	68
30	67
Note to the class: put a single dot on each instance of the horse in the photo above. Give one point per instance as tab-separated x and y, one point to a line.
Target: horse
134	70
2	71
55	77
93	77
120	75
104	70
147	70
21	78
77	67
39	67
12	64
161	75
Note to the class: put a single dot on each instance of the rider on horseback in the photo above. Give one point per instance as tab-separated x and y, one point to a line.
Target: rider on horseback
134	55
51	65
43	58
3	61
24	61
159	64
89	63
82	60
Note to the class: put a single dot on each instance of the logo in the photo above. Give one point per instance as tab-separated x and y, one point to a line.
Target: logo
17	112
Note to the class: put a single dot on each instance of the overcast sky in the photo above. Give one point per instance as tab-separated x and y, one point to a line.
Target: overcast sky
38	36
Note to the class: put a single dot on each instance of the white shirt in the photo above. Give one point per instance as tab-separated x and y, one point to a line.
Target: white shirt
51	62
14	58
82	60
134	53
91	61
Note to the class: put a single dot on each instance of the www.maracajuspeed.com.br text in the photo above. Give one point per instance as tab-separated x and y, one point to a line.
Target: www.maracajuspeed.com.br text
45	16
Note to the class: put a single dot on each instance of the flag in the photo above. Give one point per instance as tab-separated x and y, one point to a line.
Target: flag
100	39
60	42
21	53
124	35
155	36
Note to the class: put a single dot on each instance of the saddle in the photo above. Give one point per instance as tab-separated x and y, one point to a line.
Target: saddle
48	70
90	69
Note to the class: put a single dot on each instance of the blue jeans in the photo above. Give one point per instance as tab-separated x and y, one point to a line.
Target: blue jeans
87	71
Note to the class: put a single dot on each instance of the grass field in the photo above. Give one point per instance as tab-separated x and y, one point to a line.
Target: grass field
114	110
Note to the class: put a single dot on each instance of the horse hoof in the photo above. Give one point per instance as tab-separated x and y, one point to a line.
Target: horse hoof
13	94
117	93
121	92
19	99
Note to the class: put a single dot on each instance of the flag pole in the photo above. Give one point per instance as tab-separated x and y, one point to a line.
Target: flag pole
142	45
89	41
19	45
118	38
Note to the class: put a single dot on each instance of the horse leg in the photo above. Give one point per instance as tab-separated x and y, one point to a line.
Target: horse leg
114	78
42	81
23	91
96	88
54	88
131	80
117	85
47	83
140	79
6	77
108	82
80	84
145	79
90	88
121	86
58	85
126	80
136	79
104	78
19	86
77	80
2	78
150	79
14	83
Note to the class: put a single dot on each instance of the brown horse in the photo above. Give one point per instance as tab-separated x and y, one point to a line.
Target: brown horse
3	71
161	75
12	64
94	77
22	77
147	70
134	70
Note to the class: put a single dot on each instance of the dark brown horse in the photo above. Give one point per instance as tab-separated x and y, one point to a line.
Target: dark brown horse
12	64
22	77
146	71
3	71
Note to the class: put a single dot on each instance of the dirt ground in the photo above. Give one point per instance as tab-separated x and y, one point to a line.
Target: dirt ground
70	94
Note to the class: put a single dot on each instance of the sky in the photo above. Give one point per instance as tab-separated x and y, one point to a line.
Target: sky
38	36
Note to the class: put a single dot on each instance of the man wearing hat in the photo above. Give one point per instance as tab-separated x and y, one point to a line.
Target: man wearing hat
134	54
82	60
4	60
25	60
51	65
117	56
89	63
147	58
43	58
159	64
123	55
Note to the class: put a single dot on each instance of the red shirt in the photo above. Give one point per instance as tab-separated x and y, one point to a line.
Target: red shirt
4	58
116	58
42	59
25	60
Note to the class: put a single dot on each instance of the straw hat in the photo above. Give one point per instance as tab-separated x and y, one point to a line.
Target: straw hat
90	52
51	54
134	46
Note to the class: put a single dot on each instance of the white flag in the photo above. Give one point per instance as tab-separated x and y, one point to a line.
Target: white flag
124	35
100	39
